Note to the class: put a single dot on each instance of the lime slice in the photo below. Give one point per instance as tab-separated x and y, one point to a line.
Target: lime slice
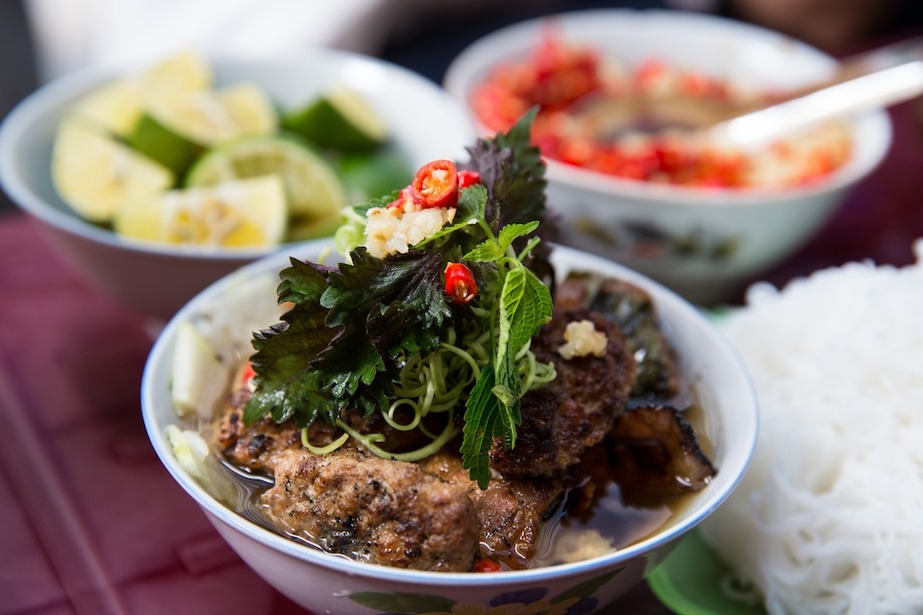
199	377
243	213
340	119
312	188
373	174
117	106
96	175
212	117
152	138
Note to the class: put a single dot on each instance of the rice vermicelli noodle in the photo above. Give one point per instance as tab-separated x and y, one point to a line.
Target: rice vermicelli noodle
827	518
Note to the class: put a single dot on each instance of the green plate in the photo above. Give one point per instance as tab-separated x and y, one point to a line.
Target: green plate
689	582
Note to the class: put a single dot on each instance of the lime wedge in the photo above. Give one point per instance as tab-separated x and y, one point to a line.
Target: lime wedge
373	174
243	213
152	138
340	119
96	175
117	106
212	117
312	188
199	377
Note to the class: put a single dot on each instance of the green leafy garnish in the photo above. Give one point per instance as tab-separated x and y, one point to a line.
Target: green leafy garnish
353	329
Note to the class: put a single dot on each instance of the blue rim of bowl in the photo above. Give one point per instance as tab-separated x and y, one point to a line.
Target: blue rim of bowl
666	297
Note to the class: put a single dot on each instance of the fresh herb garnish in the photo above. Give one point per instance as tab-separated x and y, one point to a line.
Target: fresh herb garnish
353	329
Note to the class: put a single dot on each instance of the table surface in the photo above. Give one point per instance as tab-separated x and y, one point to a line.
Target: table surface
92	522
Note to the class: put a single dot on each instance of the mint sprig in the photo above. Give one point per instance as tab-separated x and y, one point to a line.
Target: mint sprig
524	305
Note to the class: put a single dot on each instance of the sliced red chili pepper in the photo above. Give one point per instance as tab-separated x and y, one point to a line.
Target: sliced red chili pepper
468	178
247	374
436	185
401	199
459	283
486	565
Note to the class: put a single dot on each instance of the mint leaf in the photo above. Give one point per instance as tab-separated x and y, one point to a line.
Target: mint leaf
512	232
525	305
481	411
486	252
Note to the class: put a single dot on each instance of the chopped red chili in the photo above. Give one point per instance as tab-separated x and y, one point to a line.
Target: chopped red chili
486	565
247	374
436	185
459	283
401	199
559	77
468	178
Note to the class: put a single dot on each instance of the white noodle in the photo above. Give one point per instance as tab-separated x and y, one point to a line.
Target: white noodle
829	518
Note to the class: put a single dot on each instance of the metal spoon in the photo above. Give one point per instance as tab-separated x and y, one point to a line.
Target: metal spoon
872	91
872	80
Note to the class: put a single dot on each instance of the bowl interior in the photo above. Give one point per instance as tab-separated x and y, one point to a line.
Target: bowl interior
425	122
744	54
231	308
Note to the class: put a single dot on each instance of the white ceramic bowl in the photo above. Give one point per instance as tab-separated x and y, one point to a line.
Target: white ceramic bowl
704	244
425	122
329	584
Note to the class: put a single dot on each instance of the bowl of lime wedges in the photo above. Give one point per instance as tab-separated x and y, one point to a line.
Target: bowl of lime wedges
156	180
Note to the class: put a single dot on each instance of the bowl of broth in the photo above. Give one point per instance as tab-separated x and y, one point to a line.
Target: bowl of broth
441	410
599	564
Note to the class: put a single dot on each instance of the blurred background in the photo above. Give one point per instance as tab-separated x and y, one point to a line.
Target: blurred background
44	39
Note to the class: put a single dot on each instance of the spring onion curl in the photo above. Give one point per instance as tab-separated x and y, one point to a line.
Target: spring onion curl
434	384
351	232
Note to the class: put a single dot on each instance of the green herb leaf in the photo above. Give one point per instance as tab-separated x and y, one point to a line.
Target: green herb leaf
512	232
285	353
513	171
482	410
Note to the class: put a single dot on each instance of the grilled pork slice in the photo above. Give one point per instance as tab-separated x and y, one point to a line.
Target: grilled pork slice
575	411
655	455
634	311
510	512
372	509
632	308
255	447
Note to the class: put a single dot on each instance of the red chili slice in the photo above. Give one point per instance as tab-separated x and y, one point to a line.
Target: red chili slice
436	185
468	178
401	199
247	374
483	564
460	284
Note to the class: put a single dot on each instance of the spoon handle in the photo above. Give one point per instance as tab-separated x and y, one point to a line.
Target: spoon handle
871	81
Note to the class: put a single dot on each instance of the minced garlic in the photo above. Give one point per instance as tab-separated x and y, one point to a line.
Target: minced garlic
581	339
391	230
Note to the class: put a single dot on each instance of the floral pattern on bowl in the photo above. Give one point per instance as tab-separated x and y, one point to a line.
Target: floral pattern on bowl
577	600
